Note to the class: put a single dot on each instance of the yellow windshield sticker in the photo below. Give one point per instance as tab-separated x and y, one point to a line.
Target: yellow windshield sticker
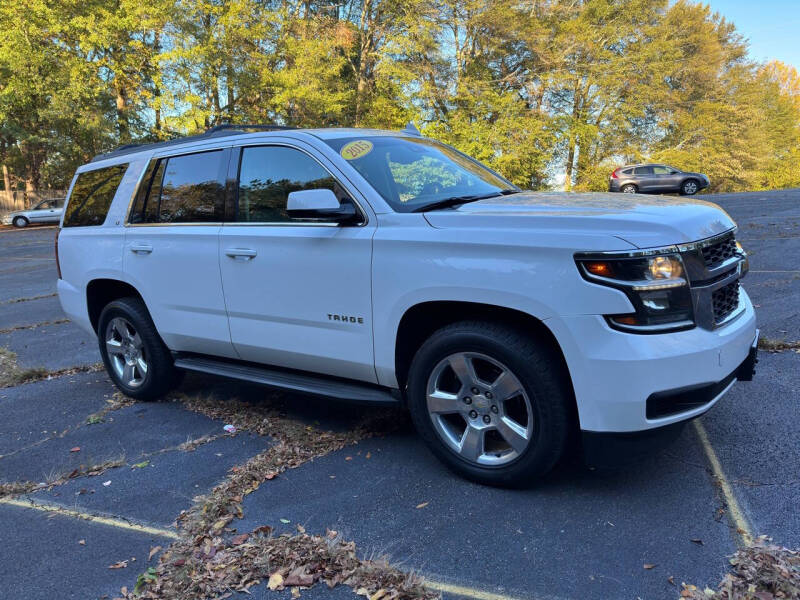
356	149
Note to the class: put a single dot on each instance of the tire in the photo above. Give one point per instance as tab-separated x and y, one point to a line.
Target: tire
20	222
136	359
545	394
629	188
690	187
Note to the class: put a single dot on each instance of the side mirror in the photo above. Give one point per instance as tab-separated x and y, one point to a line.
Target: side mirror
320	204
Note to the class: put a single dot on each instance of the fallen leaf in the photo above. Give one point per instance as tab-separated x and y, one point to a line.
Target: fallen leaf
153	552
107	483
295	592
378	595
265	529
141	465
649	566
119	565
368	456
697	541
82	542
275	581
348	458
239	539
75	449
671	580
423	505
301	529
285	521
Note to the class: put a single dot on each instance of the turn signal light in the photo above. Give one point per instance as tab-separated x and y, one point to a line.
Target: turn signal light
601	269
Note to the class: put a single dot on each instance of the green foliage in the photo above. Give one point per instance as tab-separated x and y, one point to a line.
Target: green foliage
542	92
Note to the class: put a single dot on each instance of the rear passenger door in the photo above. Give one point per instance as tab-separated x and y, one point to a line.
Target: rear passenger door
644	178
172	249
298	292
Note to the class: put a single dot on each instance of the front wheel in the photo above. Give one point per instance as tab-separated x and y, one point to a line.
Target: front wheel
491	403
20	222
629	188
139	363
689	187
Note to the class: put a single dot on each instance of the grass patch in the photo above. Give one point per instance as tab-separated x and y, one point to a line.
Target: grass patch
34	326
11	374
116	402
759	572
770	345
15	488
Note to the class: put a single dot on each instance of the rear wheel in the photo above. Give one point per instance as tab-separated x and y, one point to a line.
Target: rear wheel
491	403
629	188
689	187
20	222
139	363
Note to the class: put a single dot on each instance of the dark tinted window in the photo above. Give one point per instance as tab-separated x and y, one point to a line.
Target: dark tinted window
268	174
628	171
92	195
643	171
182	189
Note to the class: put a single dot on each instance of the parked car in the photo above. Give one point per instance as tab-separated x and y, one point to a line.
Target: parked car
633	179
46	211
387	268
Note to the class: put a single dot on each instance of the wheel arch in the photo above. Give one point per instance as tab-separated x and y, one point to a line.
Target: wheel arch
99	292
421	320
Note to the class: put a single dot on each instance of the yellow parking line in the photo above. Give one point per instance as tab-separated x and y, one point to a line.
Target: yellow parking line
736	514
464	591
450	588
110	521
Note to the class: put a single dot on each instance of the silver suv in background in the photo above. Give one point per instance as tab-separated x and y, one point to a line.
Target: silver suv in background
632	179
46	211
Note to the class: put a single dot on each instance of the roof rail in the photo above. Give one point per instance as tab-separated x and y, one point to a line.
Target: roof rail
216	131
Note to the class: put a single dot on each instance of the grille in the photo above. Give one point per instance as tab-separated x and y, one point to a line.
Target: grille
719	252
725	300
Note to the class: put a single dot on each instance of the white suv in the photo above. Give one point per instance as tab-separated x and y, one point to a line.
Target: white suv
385	267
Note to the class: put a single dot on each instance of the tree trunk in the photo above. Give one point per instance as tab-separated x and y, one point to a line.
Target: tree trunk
123	125
9	192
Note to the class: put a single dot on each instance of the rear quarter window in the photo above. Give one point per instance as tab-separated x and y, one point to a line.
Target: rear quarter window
92	195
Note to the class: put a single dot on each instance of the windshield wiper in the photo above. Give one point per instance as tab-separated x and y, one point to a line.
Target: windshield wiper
457	200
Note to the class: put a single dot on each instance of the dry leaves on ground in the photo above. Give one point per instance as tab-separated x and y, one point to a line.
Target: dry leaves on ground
760	572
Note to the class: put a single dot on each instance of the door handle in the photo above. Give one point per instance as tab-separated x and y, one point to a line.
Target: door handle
241	254
141	248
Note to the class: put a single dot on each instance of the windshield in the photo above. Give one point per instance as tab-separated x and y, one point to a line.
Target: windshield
412	173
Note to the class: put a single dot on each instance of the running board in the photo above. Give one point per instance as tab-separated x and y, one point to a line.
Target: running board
297	382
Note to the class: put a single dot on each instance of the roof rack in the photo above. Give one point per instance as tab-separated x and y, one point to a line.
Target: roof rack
216	131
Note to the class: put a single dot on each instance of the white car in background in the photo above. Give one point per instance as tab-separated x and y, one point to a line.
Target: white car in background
46	211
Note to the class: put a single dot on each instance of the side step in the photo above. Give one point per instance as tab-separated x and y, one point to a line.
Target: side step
287	380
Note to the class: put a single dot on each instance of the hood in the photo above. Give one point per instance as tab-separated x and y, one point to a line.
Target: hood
644	221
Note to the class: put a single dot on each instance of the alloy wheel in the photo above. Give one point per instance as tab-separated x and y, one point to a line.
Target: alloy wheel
690	187
126	352
479	409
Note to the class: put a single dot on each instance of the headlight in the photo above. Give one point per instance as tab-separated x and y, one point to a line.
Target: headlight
654	284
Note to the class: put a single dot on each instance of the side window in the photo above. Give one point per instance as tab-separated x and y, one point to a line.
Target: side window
267	174
661	170
182	189
92	195
643	171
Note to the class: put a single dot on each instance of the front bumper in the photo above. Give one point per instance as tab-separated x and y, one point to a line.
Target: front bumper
603	449
614	373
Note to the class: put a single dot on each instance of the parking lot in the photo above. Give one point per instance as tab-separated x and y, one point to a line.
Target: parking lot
92	480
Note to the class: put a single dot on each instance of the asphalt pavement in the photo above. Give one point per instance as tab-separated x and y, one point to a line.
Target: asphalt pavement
580	534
